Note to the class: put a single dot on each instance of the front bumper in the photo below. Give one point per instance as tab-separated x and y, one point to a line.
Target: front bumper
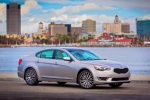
106	77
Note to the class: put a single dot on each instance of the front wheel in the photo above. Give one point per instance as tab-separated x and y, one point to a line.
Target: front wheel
115	84
31	77
85	79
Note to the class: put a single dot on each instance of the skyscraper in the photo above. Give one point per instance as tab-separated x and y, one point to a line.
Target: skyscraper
88	26
13	18
142	27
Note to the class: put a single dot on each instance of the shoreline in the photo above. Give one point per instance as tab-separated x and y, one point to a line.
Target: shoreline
70	45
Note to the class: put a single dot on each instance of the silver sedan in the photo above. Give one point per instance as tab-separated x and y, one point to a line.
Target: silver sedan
75	65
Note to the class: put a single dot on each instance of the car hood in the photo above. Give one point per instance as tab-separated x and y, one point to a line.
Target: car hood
107	63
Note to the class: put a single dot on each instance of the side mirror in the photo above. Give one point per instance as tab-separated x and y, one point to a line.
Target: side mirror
67	59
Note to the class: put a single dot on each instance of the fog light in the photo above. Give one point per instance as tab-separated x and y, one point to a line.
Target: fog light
103	78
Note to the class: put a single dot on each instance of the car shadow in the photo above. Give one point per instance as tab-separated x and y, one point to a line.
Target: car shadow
73	85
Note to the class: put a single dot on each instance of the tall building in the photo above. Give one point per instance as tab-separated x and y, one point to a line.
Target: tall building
117	21
13	18
112	28
125	27
142	27
116	27
40	29
68	28
88	26
76	30
55	29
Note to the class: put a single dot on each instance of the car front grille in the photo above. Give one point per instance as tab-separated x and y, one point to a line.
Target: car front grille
120	79
121	71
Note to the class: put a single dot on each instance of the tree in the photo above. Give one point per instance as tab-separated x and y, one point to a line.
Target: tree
59	36
65	38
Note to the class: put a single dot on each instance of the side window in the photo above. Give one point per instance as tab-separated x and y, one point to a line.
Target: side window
60	54
38	54
48	54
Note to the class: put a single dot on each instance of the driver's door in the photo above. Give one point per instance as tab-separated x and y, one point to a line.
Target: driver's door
64	70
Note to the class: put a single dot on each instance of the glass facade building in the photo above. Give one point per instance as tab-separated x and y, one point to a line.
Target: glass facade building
143	27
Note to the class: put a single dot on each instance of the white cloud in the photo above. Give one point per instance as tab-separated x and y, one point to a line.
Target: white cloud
60	18
29	28
147	17
140	4
33	20
108	8
79	8
2	11
28	6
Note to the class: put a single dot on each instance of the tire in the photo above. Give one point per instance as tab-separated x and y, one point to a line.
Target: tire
85	79
31	77
114	85
61	83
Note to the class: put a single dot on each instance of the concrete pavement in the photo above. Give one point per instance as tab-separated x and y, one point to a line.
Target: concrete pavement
14	88
19	90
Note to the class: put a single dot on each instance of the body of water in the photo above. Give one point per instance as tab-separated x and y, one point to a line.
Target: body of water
137	58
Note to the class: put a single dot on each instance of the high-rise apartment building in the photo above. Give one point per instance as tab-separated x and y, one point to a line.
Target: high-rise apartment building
55	29
142	27
88	26
13	18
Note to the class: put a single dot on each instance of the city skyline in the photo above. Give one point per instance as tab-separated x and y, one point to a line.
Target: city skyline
74	12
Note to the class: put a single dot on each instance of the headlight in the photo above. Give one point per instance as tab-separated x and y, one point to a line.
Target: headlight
101	68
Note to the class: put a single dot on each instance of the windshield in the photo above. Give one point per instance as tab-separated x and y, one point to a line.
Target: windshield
83	54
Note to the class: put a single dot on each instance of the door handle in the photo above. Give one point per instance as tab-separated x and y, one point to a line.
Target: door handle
55	63
37	61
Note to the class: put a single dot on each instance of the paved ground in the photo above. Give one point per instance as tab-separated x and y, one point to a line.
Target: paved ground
18	90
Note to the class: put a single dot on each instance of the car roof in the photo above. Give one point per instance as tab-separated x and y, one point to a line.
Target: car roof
65	48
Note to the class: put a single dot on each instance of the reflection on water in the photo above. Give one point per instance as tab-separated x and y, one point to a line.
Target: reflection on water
137	59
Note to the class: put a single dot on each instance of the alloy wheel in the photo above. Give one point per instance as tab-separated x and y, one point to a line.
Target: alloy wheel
31	77
85	79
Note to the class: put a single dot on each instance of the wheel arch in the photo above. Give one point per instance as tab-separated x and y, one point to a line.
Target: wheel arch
80	72
29	68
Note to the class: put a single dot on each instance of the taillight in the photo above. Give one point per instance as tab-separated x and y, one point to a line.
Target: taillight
20	61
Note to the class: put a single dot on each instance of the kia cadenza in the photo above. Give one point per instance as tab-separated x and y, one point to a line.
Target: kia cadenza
74	65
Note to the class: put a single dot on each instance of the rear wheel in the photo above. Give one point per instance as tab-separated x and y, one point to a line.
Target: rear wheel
115	84
85	79
31	77
61	83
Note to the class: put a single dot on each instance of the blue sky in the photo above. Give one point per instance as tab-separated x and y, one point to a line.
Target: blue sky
75	11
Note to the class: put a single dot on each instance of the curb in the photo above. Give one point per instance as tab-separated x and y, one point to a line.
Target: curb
11	79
